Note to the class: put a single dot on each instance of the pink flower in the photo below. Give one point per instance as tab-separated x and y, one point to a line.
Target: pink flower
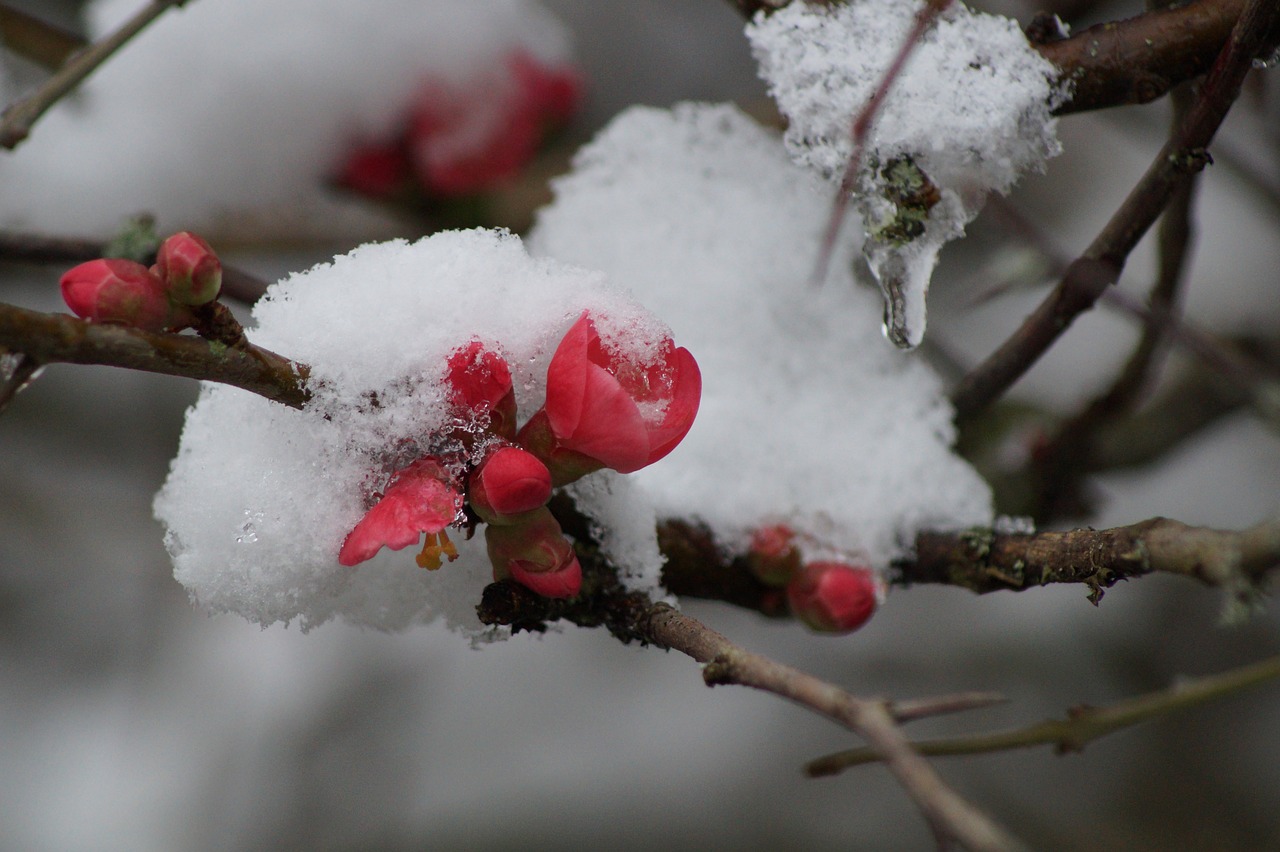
373	169
508	483
832	597
622	414
536	555
421	498
120	291
480	383
189	268
468	140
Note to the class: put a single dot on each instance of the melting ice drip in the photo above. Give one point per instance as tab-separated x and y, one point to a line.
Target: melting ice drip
908	220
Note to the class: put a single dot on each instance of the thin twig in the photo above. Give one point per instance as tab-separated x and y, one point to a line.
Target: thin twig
1062	465
1083	724
928	708
950	816
1100	265
39	41
56	338
18	119
21	373
861	127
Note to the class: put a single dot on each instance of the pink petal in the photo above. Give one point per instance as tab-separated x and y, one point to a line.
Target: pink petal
611	429
416	502
681	410
567	377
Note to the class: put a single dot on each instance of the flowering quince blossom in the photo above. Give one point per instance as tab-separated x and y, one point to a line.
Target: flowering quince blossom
834	597
421	498
465	140
604	410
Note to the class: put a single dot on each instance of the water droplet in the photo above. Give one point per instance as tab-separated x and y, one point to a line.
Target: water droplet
249	529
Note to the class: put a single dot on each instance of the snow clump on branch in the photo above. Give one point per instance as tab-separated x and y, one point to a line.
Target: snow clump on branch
970	113
807	418
420	357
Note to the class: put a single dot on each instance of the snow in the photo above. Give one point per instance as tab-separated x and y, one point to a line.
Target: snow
260	496
221	107
807	417
969	114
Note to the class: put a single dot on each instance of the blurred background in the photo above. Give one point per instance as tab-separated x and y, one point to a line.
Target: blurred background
131	721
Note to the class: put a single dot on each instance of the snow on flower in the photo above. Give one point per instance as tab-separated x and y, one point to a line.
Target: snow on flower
970	113
181	124
420	356
605	409
806	419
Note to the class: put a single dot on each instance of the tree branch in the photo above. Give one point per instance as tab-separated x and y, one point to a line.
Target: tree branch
951	817
1133	61
1100	265
19	117
54	338
983	561
37	40
1083	724
1062	466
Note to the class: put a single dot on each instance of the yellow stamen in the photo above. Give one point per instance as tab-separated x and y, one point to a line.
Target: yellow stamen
435	546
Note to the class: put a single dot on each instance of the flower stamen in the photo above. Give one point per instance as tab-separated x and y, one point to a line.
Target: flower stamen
436	546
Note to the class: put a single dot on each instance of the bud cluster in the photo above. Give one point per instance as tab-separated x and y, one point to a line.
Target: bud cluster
828	596
602	410
187	275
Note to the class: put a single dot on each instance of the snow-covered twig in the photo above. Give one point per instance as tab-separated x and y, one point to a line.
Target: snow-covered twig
1083	724
19	117
861	126
1090	275
1132	61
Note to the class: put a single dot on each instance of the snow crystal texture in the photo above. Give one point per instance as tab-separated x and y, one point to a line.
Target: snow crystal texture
973	103
807	417
969	114
236	105
260	496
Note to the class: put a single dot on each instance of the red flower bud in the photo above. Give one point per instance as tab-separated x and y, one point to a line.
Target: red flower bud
536	555
773	555
509	482
832	597
605	406
480	382
421	498
190	269
116	290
